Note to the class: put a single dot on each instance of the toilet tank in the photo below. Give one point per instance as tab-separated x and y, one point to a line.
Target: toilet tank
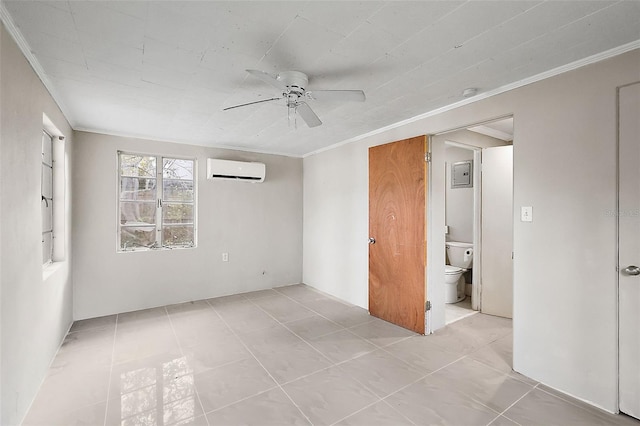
460	254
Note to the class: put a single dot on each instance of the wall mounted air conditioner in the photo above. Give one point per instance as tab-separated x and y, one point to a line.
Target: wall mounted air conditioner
235	170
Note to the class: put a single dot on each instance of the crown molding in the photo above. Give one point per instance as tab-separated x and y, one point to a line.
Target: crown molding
533	79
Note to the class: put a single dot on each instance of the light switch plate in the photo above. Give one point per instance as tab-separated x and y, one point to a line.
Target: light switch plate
526	214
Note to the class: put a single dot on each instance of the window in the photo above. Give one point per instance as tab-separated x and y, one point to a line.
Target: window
156	202
46	193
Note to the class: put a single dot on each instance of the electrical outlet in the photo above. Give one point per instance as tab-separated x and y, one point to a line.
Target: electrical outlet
225	257
526	214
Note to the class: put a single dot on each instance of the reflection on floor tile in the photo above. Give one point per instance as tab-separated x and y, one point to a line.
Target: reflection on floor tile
291	355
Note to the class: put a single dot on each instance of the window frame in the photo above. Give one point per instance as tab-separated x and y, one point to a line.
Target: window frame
159	202
49	201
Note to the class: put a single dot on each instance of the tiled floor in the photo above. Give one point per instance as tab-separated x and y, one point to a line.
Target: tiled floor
456	311
291	356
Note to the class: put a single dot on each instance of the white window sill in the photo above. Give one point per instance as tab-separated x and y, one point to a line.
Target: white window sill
50	269
145	249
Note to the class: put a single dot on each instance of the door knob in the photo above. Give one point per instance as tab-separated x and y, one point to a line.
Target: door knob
373	241
631	270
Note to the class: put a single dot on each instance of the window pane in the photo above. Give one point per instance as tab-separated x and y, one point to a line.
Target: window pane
47	244
46	181
137	165
134	188
47	216
174	168
137	236
177	213
137	213
46	149
178	190
181	235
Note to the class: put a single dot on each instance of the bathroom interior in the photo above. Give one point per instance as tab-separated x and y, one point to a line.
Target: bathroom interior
464	212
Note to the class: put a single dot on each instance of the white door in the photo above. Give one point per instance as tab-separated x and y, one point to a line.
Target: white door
629	249
497	232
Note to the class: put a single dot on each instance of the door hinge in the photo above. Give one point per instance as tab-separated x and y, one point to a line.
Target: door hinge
427	157
427	306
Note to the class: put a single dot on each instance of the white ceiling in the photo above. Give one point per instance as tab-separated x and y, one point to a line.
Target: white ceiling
165	70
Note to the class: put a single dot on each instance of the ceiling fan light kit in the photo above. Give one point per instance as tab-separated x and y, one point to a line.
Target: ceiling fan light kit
293	87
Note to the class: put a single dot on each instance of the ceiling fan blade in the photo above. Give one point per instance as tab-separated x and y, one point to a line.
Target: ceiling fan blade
308	115
251	103
269	79
337	95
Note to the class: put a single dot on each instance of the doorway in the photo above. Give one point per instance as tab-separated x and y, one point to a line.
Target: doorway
456	217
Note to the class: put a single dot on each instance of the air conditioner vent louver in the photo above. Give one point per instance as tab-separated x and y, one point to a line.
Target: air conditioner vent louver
235	170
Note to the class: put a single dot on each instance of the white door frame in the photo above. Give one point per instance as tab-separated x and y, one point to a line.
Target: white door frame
476	279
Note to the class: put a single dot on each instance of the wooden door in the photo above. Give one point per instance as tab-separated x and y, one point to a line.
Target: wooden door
629	249
497	231
397	222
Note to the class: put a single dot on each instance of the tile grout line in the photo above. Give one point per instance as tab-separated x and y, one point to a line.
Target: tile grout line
263	367
509	407
294	333
195	390
113	355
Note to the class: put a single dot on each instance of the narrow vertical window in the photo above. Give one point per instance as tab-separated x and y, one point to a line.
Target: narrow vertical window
46	193
156	202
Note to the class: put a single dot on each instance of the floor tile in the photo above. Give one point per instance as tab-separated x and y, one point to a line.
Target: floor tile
381	372
503	421
69	390
246	318
196	329
292	361
260	294
498	354
483	384
189	308
283	308
614	419
226	356
456	311
301	293
108	321
142	316
486	328
427	402
229	384
101	338
314	326
269	408
378	414
539	407
142	342
381	333
328	396
422	353
459	340
212	354
93	414
273	338
341	345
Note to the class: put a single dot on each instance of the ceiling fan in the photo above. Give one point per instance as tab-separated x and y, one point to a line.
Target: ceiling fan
292	85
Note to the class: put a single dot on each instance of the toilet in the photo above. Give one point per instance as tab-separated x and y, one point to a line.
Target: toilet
460	260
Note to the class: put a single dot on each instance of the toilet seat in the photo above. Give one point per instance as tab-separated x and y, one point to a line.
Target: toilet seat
450	270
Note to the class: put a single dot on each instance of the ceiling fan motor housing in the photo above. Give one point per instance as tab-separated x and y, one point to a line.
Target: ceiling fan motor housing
295	81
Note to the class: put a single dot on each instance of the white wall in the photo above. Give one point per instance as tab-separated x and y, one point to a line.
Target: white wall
458	201
35	312
565	323
258	224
